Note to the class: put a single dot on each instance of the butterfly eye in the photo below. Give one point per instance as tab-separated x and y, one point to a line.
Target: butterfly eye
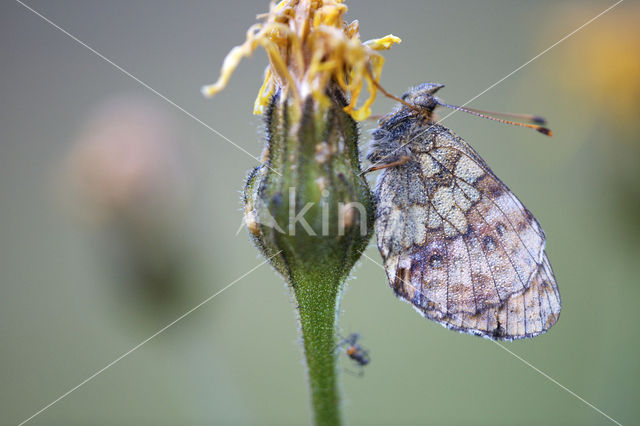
426	101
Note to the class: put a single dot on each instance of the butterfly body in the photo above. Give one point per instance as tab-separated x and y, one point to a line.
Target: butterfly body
456	243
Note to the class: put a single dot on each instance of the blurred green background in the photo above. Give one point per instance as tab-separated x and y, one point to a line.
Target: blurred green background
98	253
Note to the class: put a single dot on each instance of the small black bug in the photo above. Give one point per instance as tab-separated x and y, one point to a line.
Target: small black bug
354	351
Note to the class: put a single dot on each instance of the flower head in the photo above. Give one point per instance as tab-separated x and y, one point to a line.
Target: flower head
309	45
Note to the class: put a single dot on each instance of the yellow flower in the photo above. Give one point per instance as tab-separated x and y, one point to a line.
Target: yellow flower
604	66
309	45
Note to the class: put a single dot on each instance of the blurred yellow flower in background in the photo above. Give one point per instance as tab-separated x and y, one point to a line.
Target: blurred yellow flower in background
604	68
600	76
309	45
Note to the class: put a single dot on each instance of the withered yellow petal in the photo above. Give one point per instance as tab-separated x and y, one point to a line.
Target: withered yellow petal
383	43
231	62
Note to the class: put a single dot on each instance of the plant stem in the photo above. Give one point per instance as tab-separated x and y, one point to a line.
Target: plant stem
317	305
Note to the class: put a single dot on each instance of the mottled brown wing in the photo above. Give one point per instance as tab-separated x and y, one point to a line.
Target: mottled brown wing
527	314
460	247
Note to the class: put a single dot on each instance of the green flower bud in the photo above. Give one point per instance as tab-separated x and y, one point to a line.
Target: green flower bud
308	200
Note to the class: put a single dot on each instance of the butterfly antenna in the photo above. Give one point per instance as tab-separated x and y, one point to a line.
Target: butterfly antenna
531	118
486	114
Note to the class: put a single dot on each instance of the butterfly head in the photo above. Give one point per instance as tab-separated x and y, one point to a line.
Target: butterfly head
422	96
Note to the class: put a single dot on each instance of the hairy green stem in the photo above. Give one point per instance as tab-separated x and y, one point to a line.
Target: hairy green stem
317	304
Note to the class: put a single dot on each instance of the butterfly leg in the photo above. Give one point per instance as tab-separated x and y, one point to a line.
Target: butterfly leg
399	162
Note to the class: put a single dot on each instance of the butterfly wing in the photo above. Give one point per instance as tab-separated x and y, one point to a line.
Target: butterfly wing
460	247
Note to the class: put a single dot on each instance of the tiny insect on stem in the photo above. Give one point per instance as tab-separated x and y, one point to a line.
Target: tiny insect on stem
354	351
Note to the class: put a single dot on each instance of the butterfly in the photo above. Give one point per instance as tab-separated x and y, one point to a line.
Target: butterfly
456	242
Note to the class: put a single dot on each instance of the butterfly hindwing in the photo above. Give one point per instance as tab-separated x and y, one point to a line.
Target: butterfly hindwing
459	246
